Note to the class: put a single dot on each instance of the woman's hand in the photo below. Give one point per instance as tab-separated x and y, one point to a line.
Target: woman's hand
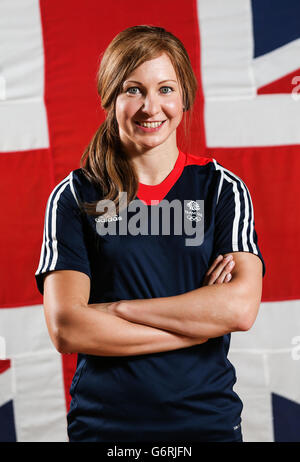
220	271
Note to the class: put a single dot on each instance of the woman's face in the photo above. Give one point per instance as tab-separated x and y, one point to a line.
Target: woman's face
149	107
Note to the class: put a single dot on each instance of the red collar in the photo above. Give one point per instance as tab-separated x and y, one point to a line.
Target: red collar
147	193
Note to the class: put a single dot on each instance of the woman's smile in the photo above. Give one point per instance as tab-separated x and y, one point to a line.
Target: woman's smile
150	126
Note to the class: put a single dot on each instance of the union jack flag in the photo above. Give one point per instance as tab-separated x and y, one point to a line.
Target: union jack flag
246	55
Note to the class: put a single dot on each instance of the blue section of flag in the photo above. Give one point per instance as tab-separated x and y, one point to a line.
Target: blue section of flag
7	423
275	23
286	418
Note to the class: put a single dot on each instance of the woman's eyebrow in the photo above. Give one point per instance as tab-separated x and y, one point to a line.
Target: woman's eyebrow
168	80
132	81
140	83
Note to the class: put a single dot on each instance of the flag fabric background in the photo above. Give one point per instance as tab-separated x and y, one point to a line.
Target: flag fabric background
246	55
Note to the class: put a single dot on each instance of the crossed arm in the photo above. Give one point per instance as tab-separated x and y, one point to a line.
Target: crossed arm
210	311
130	327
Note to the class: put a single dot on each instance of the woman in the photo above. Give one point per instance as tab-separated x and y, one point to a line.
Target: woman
146	307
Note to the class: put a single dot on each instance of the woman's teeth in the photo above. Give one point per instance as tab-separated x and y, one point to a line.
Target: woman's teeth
150	124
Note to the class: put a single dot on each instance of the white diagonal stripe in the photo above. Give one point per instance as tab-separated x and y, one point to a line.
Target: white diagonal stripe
277	63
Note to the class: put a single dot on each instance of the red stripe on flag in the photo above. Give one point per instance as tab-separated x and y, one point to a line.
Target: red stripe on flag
4	365
283	85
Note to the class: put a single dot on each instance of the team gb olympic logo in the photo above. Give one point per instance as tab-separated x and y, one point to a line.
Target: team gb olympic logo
194	213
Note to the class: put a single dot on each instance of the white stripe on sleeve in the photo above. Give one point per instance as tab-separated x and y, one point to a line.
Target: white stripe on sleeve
248	222
45	250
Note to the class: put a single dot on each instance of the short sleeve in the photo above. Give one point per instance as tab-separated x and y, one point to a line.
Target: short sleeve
234	217
64	245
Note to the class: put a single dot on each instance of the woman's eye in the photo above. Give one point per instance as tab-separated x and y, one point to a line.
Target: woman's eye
166	90
133	90
137	90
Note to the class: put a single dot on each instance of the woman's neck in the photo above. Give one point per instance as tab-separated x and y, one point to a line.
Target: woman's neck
154	165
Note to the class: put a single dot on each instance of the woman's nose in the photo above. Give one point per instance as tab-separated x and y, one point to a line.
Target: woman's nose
151	104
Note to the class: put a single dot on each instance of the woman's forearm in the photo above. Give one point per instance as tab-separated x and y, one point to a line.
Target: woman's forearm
209	311
93	331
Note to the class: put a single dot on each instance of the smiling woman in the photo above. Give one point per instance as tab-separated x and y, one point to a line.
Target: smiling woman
149	313
145	77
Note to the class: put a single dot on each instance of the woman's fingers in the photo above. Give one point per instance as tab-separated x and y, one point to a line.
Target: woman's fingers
220	271
225	274
214	265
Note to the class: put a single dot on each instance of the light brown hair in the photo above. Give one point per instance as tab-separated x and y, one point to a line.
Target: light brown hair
103	161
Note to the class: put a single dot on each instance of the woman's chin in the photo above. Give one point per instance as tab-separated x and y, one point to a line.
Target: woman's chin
148	142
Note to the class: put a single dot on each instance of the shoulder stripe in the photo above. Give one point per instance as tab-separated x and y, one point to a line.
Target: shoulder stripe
221	180
249	215
248	221
235	226
50	222
254	247
72	188
53	226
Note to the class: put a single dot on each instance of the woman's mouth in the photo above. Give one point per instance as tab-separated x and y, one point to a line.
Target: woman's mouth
150	126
